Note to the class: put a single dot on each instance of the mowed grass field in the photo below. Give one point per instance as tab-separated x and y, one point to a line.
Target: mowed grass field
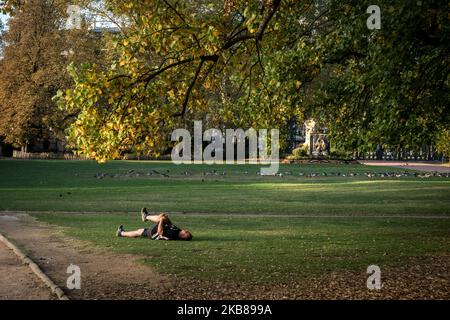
126	186
246	227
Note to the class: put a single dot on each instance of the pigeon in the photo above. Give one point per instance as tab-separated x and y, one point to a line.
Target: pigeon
100	175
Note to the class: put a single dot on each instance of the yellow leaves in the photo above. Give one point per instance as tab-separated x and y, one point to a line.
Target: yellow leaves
276	27
251	23
207	85
118	127
298	84
251	19
215	33
111	100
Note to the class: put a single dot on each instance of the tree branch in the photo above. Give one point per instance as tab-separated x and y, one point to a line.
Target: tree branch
179	15
189	90
203	59
260	32
155	74
262	27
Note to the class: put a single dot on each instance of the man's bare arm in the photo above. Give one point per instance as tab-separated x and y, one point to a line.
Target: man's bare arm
160	227
164	219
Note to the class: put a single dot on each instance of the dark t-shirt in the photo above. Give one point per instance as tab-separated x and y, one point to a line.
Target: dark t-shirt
172	232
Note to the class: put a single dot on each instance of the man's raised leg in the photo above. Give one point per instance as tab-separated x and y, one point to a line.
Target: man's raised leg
158	218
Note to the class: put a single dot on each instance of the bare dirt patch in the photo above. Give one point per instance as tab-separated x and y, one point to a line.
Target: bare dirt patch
112	276
104	275
429	279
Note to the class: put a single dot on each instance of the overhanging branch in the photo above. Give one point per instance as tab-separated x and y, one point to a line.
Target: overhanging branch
261	29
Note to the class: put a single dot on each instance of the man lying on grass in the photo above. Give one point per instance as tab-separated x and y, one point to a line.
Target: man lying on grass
163	229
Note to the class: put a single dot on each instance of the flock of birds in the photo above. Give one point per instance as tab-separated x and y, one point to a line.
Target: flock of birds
386	174
132	174
369	174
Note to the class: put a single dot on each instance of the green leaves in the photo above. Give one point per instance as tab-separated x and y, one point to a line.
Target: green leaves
168	68
443	141
181	61
395	80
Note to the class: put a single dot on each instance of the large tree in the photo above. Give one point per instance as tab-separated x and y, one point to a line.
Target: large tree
37	52
388	86
262	64
176	61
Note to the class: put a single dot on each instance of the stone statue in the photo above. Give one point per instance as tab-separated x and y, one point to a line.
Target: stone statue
320	145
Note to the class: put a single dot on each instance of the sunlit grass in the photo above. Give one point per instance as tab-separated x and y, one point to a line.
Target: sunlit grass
267	249
73	186
246	227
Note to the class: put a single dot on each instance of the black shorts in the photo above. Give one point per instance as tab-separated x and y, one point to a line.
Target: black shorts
150	232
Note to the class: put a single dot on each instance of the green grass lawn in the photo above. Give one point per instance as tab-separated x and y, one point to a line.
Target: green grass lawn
72	186
267	249
286	235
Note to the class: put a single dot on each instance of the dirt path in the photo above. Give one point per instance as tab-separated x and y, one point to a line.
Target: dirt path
103	275
108	276
24	285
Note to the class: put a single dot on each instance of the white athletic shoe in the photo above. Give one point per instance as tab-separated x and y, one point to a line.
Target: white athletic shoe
144	214
119	231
